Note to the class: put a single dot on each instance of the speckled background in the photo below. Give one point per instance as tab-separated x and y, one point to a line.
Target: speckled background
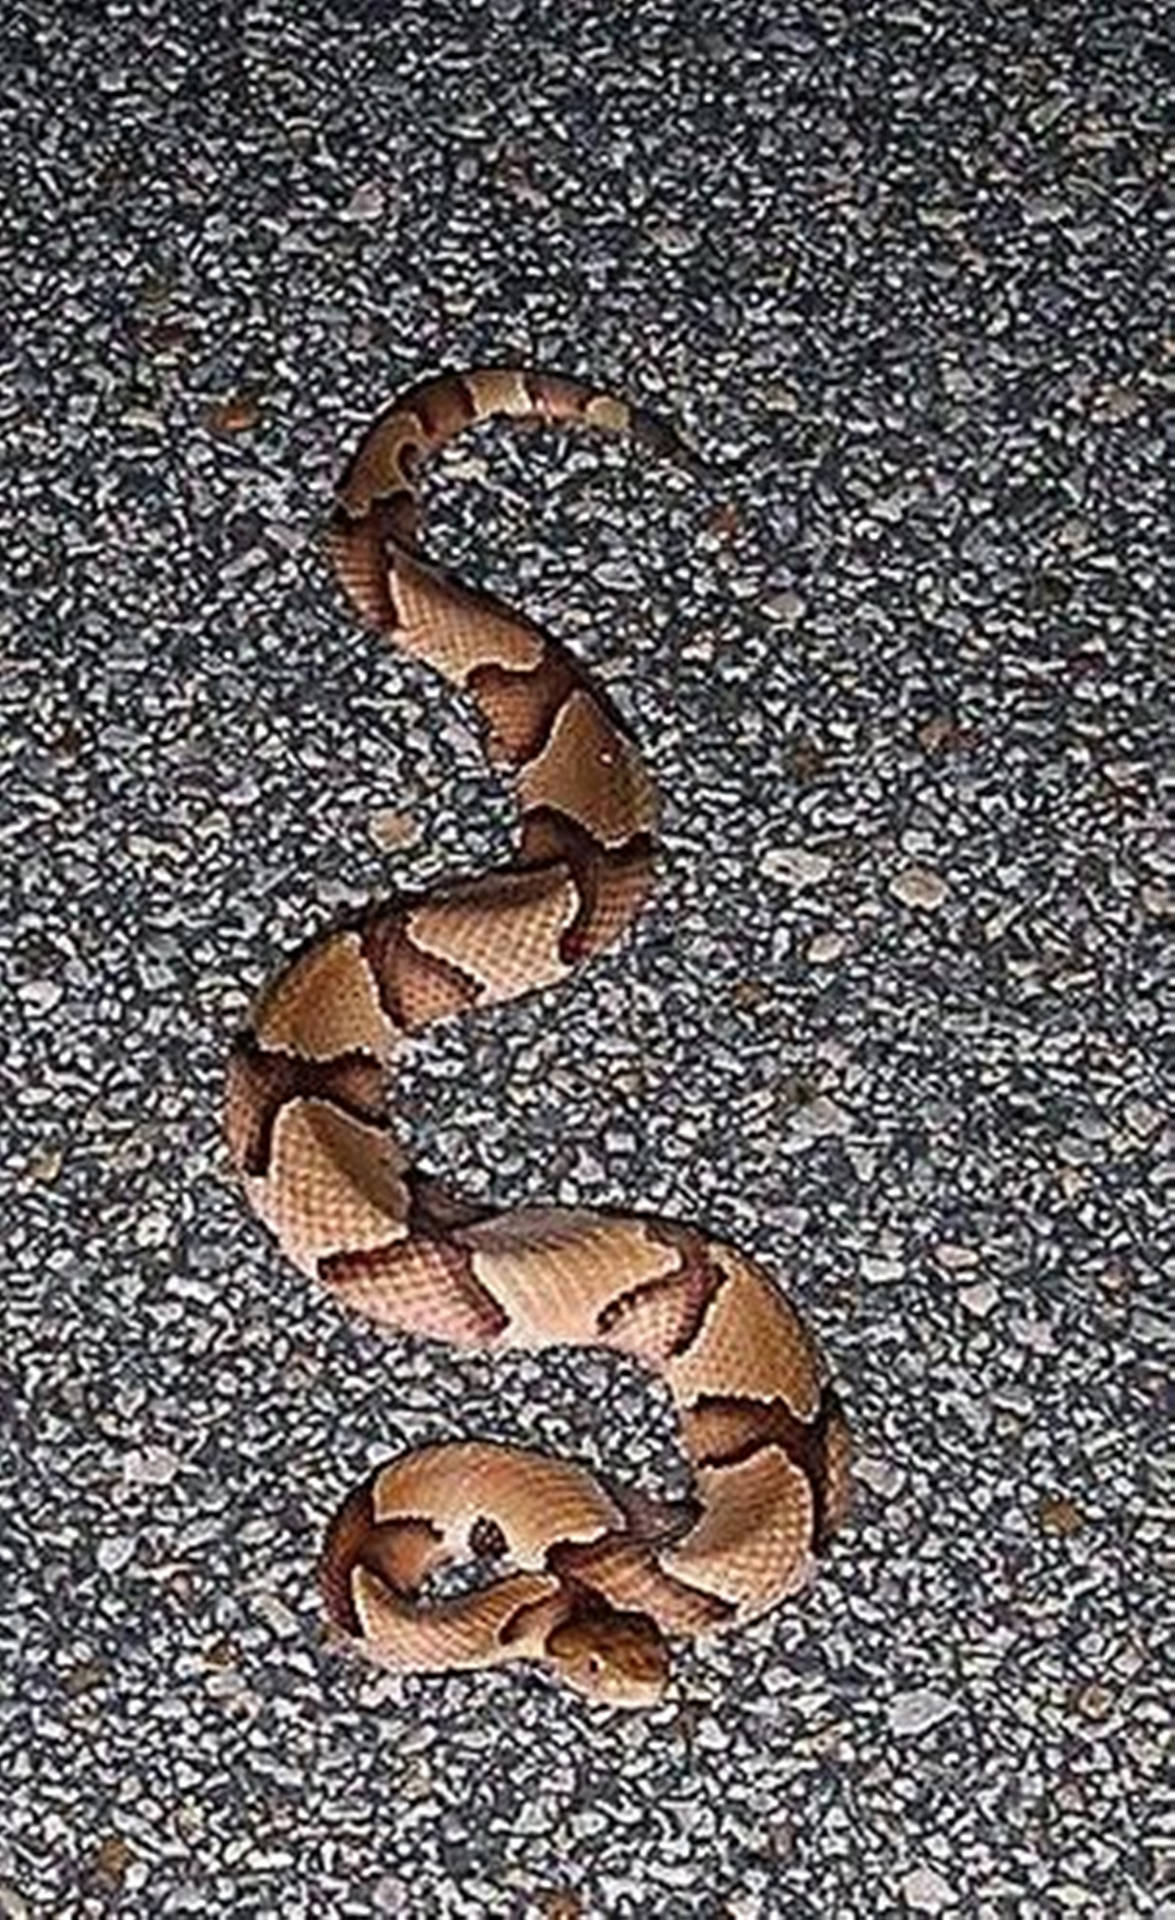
895	1023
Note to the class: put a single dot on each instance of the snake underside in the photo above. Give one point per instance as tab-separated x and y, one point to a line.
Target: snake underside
588	1580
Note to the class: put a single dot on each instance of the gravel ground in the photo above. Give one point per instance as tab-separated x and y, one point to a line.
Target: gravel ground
895	1022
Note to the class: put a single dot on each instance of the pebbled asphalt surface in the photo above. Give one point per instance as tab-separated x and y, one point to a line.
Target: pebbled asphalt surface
896	1023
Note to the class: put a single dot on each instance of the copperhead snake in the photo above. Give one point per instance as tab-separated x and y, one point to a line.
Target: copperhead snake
590	1580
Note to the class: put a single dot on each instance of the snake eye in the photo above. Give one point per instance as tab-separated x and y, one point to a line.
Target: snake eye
594	1664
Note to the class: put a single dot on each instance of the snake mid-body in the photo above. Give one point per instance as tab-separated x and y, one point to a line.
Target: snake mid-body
588	1580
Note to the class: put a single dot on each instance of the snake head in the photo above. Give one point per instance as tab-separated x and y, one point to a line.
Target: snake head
617	1658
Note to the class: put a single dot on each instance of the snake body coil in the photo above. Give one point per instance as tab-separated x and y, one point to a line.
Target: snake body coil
594	1579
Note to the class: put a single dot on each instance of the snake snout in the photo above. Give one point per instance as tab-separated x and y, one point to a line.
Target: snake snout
617	1658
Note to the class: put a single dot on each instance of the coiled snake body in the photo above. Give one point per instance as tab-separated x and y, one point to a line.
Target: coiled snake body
593	1579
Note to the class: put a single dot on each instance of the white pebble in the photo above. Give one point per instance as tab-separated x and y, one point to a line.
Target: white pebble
980	1297
954	1257
785	609
149	1467
1142	1118
883	1477
115	1551
41	996
919	886
917	1710
795	866
826	947
366	203
820	1118
879	1269
153	1230
927	1892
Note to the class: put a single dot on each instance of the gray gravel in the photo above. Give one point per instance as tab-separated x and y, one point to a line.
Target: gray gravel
896	1022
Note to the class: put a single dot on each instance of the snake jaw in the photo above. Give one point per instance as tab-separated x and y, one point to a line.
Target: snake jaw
615	1658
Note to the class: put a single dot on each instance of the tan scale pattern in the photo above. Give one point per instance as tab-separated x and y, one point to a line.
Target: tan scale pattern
555	1291
652	1321
333	1184
417	988
589	771
325	1003
503	932
614	416
632	1576
416	1285
384	463
751	1343
452	628
503	390
752	1544
459	1483
455	1634
839	1490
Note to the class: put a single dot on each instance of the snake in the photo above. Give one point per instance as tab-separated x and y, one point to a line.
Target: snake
554	1564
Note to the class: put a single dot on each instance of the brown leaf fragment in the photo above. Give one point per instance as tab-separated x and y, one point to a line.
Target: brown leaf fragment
83	1678
1060	1517
749	993
112	1859
558	1903
941	734
724	521
238	414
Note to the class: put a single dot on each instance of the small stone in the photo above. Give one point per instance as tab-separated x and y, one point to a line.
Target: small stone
784	609
83	1678
282	1623
825	948
926	1891
1127	775
749	993
1160	855
41	996
1060	1517
390	828
820	1119
1158	901
881	1269
1014	1400
1115	1277
672	239
883	1477
366	203
953	1257
153	1230
724	521
1116	402
149	1467
46	1164
1093	1701
979	1298
918	1709
220	1653
114	1552
918	886
795	866
941	734
1142	1119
